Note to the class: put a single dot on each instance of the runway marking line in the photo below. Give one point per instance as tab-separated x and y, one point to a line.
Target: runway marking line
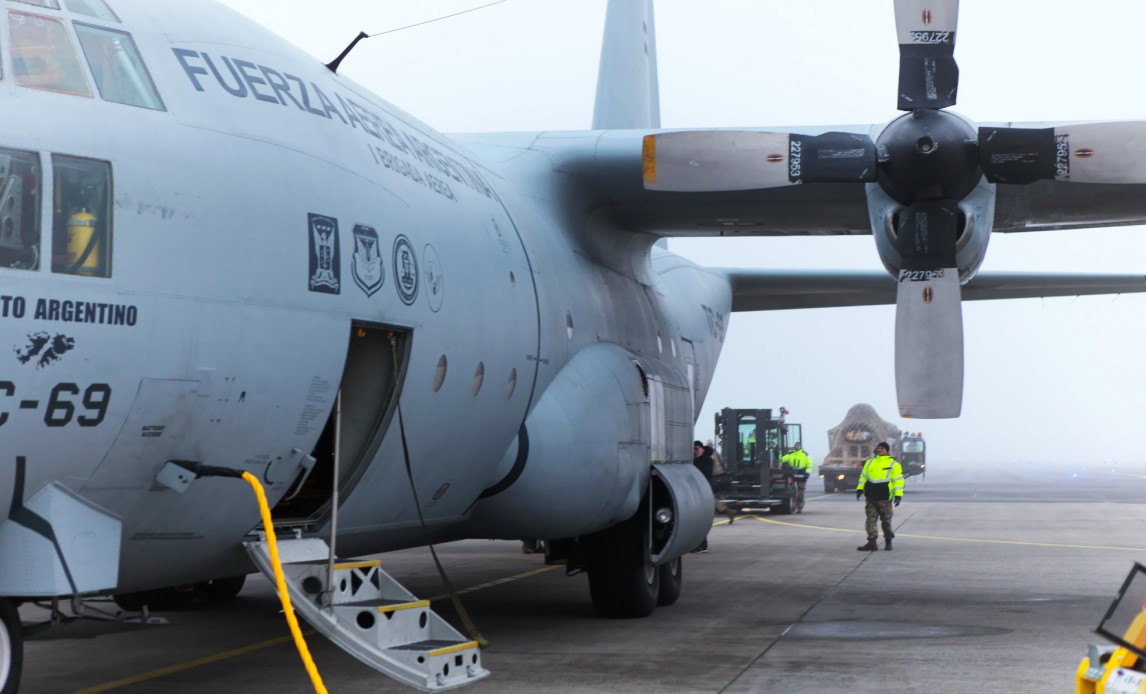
226	655
179	667
498	582
955	539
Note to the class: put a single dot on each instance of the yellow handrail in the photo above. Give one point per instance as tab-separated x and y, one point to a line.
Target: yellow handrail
280	583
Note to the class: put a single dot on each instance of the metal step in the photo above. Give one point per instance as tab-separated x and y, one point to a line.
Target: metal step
372	617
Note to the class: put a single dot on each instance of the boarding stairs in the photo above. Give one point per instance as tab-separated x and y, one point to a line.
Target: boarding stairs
372	617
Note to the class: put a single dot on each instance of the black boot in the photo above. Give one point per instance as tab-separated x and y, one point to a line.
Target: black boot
887	543
869	547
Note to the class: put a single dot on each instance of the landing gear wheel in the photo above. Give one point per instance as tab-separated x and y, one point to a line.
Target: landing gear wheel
672	579
224	588
162	599
11	647
623	583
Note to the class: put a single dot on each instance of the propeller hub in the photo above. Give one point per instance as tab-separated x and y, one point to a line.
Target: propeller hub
928	155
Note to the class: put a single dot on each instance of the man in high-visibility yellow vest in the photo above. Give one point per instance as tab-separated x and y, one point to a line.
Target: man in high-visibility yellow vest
881	481
801	464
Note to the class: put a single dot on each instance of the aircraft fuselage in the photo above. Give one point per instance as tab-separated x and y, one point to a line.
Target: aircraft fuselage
273	235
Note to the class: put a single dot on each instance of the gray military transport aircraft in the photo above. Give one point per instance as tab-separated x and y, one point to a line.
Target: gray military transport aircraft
219	256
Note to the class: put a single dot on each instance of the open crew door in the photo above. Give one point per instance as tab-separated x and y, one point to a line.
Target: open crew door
376	362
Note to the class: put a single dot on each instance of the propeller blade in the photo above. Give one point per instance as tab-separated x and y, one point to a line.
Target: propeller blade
1082	153
928	313
929	344
928	75
720	160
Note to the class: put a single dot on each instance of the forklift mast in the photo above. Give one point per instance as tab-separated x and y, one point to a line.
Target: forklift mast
750	438
752	443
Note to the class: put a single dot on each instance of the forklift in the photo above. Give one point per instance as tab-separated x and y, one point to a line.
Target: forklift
1120	666
752	443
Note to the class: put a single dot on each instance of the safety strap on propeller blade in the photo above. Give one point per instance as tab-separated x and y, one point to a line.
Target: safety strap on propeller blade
719	160
1081	153
928	313
928	75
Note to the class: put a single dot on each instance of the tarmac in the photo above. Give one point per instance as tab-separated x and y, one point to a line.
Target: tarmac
998	577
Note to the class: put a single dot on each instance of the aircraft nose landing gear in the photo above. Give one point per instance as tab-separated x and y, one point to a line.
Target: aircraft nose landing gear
11	647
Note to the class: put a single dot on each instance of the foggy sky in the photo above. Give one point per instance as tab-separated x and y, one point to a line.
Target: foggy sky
1046	380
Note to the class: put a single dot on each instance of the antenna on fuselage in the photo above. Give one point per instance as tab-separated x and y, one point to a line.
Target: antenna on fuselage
333	65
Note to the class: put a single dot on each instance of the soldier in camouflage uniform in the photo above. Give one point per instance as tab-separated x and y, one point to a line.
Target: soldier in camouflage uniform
881	481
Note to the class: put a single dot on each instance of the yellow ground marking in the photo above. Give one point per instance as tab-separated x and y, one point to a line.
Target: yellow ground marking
955	539
498	582
180	667
234	653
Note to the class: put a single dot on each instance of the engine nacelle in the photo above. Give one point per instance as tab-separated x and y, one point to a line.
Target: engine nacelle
977	212
683	497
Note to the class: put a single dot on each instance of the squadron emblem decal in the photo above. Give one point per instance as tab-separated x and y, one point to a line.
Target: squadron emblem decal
405	270
366	263
325	267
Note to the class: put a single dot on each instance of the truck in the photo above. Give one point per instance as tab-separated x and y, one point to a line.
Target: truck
752	443
850	444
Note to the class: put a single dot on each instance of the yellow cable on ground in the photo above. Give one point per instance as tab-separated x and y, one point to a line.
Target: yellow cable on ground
280	583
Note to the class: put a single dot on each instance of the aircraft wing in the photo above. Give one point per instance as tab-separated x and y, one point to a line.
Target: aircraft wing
933	218
772	290
1046	205
610	162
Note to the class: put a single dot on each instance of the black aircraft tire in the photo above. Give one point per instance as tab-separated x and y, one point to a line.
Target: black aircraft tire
162	599
672	580
224	588
624	591
623	583
11	647
132	602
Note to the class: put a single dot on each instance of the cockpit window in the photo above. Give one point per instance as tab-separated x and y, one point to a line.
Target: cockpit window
43	56
19	210
81	216
92	8
50	4
119	72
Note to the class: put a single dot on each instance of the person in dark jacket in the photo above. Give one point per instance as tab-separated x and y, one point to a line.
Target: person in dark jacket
702	459
717	468
881	482
703	462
